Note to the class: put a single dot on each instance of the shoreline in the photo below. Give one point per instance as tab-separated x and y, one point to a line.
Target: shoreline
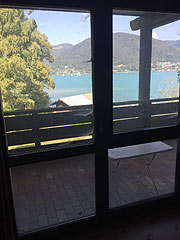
113	73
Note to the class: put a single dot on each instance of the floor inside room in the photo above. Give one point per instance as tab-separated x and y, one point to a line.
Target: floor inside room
157	225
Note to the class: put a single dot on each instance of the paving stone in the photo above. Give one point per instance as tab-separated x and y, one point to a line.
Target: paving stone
58	205
40	209
23	226
39	201
42	220
71	193
33	226
55	196
52	188
52	221
68	208
50	212
23	214
67	186
49	176
48	203
64	199
75	202
61	216
32	215
72	216
89	211
79	210
80	195
86	190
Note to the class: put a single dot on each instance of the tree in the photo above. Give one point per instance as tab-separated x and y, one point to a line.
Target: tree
23	73
170	89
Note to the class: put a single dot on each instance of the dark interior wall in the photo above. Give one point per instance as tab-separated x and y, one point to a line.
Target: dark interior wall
165	6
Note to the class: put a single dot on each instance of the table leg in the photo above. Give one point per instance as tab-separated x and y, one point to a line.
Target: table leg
113	172
153	180
144	170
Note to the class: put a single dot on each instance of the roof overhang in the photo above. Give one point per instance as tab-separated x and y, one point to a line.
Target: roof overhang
153	20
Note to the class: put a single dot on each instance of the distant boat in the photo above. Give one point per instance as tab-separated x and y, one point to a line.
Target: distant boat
78	74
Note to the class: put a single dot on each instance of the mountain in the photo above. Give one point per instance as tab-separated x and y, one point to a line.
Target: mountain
72	56
125	54
62	46
175	43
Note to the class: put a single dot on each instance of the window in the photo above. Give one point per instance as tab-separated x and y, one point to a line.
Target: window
46	78
145	70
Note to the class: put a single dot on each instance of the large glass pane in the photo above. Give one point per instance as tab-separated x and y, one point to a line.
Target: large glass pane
146	61
45	78
165	76
53	193
141	172
126	45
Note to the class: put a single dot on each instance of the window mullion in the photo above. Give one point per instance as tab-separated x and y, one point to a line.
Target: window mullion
102	96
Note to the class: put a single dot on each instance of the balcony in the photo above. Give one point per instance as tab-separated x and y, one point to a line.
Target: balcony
56	192
60	191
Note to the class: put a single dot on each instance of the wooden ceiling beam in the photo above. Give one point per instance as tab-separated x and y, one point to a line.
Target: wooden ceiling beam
152	21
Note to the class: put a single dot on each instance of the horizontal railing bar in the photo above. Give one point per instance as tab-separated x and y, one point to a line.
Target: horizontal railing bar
50	145
47	110
164	99
65	132
126	103
123	112
17	138
151	100
164	108
18	123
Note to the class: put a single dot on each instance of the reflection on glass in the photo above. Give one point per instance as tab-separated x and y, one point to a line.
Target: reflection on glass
146	62
45	77
141	172
53	193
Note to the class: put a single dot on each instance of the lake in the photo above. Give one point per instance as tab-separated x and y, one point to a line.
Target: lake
125	85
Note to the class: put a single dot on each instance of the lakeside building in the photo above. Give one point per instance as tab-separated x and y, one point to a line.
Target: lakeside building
76	100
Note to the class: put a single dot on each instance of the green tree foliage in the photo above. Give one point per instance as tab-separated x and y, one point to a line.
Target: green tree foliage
23	73
170	89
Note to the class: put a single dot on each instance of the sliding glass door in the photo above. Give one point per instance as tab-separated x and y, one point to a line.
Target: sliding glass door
145	95
90	113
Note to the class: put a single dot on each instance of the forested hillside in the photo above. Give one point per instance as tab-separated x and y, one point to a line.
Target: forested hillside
69	58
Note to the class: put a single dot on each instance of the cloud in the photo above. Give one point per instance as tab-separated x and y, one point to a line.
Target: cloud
154	35
85	16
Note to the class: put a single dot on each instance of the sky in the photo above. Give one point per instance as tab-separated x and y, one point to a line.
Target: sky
63	27
74	27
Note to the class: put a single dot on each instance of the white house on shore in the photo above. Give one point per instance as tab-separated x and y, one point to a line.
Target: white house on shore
76	100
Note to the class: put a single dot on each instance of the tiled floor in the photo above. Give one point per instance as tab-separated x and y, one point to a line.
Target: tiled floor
55	192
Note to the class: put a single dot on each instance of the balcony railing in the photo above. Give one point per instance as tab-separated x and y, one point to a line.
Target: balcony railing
35	129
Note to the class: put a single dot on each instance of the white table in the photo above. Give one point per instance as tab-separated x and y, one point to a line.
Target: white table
152	148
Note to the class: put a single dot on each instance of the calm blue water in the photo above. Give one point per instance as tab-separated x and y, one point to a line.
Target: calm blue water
125	85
